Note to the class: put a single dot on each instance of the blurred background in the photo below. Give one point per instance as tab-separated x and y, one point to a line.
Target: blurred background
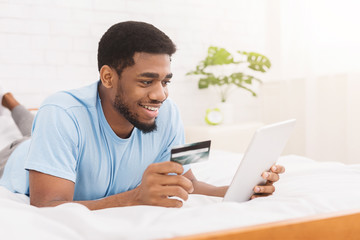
314	47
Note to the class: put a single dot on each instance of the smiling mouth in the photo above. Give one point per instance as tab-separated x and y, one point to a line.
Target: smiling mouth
150	108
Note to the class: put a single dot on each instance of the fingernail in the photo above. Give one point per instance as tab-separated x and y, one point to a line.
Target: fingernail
274	168
257	189
266	175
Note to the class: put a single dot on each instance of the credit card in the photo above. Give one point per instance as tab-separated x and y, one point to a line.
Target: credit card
191	153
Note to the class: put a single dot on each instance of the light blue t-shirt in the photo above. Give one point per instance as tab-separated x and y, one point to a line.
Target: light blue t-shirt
71	139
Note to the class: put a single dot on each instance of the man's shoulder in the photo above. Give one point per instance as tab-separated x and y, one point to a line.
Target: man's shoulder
169	115
168	109
81	97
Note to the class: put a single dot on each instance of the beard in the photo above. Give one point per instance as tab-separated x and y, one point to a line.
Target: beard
124	110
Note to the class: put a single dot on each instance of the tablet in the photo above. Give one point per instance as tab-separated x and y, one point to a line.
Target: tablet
264	150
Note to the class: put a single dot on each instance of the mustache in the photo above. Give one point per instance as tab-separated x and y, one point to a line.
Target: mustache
154	102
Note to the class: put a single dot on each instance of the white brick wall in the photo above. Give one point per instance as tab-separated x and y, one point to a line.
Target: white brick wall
46	46
50	45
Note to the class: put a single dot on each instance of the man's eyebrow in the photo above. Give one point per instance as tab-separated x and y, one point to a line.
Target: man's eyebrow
149	75
153	75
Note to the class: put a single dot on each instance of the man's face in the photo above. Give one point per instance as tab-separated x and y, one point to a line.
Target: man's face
142	88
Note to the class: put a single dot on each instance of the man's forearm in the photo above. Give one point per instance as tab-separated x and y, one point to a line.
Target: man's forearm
209	190
118	200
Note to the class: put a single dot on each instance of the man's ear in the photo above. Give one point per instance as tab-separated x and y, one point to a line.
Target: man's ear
107	76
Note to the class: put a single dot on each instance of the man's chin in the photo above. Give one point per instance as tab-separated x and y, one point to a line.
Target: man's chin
146	127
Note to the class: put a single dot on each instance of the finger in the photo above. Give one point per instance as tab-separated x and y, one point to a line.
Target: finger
176	180
278	169
259	195
165	168
175	191
264	189
270	176
168	202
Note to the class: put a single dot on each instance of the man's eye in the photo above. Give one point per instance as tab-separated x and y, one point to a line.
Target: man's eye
165	83
146	82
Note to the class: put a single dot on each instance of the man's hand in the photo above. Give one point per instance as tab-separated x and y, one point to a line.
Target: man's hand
157	185
271	177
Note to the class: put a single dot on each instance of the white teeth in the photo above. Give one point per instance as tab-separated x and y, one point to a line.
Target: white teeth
151	108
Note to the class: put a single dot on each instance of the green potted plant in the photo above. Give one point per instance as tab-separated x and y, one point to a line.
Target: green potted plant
225	71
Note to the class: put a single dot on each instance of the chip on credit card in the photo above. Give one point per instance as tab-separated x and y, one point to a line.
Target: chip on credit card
191	153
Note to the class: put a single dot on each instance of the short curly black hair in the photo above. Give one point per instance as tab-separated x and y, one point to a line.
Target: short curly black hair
122	40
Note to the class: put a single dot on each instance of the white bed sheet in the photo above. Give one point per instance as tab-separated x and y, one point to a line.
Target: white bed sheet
307	188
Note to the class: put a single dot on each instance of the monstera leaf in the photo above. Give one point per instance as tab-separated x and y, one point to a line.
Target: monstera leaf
257	61
220	56
240	79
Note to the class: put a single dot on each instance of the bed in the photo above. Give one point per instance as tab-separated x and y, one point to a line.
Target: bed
313	200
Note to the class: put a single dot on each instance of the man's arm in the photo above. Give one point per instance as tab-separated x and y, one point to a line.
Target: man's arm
260	191
205	188
156	186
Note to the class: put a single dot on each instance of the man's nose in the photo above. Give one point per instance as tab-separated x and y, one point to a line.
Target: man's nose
158	92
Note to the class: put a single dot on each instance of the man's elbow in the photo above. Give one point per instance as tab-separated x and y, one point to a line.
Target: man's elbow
45	203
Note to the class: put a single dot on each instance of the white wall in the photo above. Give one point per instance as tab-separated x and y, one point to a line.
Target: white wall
46	46
327	112
317	79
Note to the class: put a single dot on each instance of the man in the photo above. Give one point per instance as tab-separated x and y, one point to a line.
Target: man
108	144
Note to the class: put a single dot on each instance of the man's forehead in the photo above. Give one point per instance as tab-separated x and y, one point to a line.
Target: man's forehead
150	62
146	55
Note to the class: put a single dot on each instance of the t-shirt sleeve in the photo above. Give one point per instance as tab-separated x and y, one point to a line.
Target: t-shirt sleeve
54	143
